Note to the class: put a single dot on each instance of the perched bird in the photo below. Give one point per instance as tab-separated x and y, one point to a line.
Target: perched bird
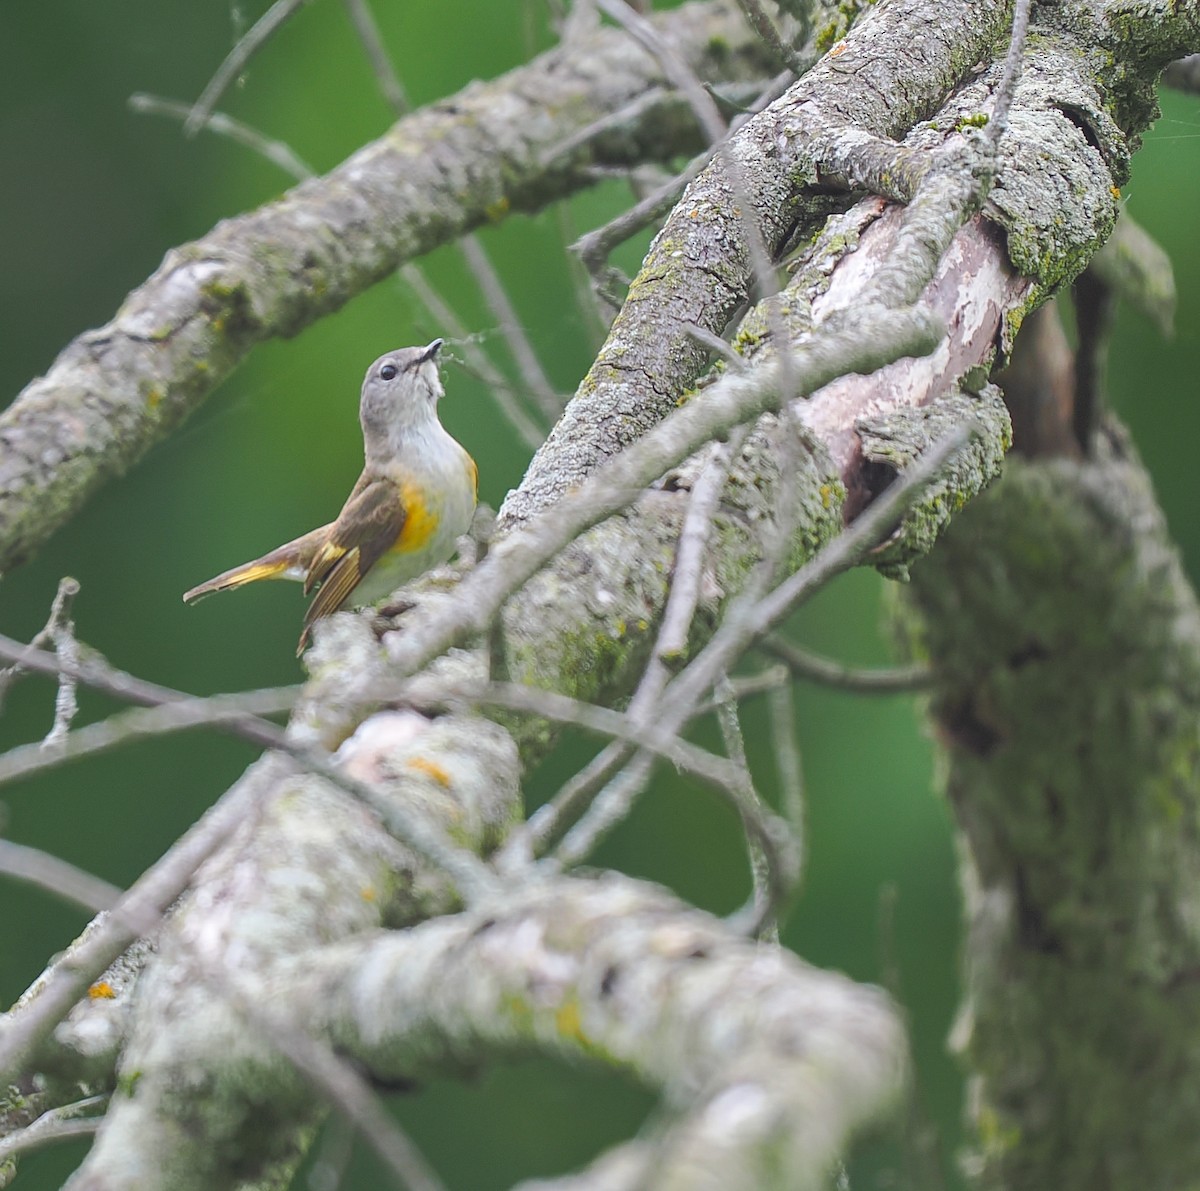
413	501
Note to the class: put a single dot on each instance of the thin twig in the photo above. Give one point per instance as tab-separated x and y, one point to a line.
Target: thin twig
749	618
671	646
54	1125
610	121
259	34
593	248
735	398
494	294
125	727
812	666
716	771
709	117
768	834
282	156
60	608
363	20
764	912
469	874
787	762
1009	77
749	686
738	632
762	24
677	71
490	285
478	360
715	344
279	153
551	819
613	802
56	876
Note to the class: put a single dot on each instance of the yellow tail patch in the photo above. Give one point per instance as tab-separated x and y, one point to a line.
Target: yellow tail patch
251	572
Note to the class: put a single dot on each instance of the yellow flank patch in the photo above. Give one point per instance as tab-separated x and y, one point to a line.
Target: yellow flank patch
420	521
101	991
569	1021
431	769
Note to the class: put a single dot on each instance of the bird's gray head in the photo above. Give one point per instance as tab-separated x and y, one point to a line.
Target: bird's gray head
400	393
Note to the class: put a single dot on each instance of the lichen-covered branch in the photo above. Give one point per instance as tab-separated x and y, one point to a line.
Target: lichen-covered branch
289	908
435	175
890	74
724	1029
1065	644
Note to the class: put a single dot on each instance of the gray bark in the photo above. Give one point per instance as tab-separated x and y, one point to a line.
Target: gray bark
283	915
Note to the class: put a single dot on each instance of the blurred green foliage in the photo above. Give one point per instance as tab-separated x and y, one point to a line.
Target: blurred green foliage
91	196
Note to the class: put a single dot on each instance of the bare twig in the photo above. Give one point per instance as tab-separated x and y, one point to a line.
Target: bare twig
715	344
1007	87
734	399
713	123
764	911
610	121
363	20
54	1125
127	726
464	868
551	819
718	772
676	70
282	156
593	248
478	360
787	762
494	293
762	24
60	609
279	153
259	34
671	646
749	686
56	876
749	618
538	384
812	666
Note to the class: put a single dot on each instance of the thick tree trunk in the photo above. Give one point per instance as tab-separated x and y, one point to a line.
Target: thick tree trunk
1065	641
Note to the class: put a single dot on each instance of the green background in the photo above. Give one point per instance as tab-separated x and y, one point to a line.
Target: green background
91	196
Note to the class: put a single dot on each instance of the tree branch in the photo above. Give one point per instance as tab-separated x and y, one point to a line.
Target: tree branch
440	172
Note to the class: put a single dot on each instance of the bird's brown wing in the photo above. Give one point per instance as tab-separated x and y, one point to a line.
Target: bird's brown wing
367	527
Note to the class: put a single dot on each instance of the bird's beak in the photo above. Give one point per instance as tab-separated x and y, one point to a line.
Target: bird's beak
432	350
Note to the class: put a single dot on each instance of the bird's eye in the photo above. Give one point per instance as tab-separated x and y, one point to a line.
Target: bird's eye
389	372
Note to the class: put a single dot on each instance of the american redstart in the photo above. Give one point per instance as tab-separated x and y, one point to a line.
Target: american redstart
413	501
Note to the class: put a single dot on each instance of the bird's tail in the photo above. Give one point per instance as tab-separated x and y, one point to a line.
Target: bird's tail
290	561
